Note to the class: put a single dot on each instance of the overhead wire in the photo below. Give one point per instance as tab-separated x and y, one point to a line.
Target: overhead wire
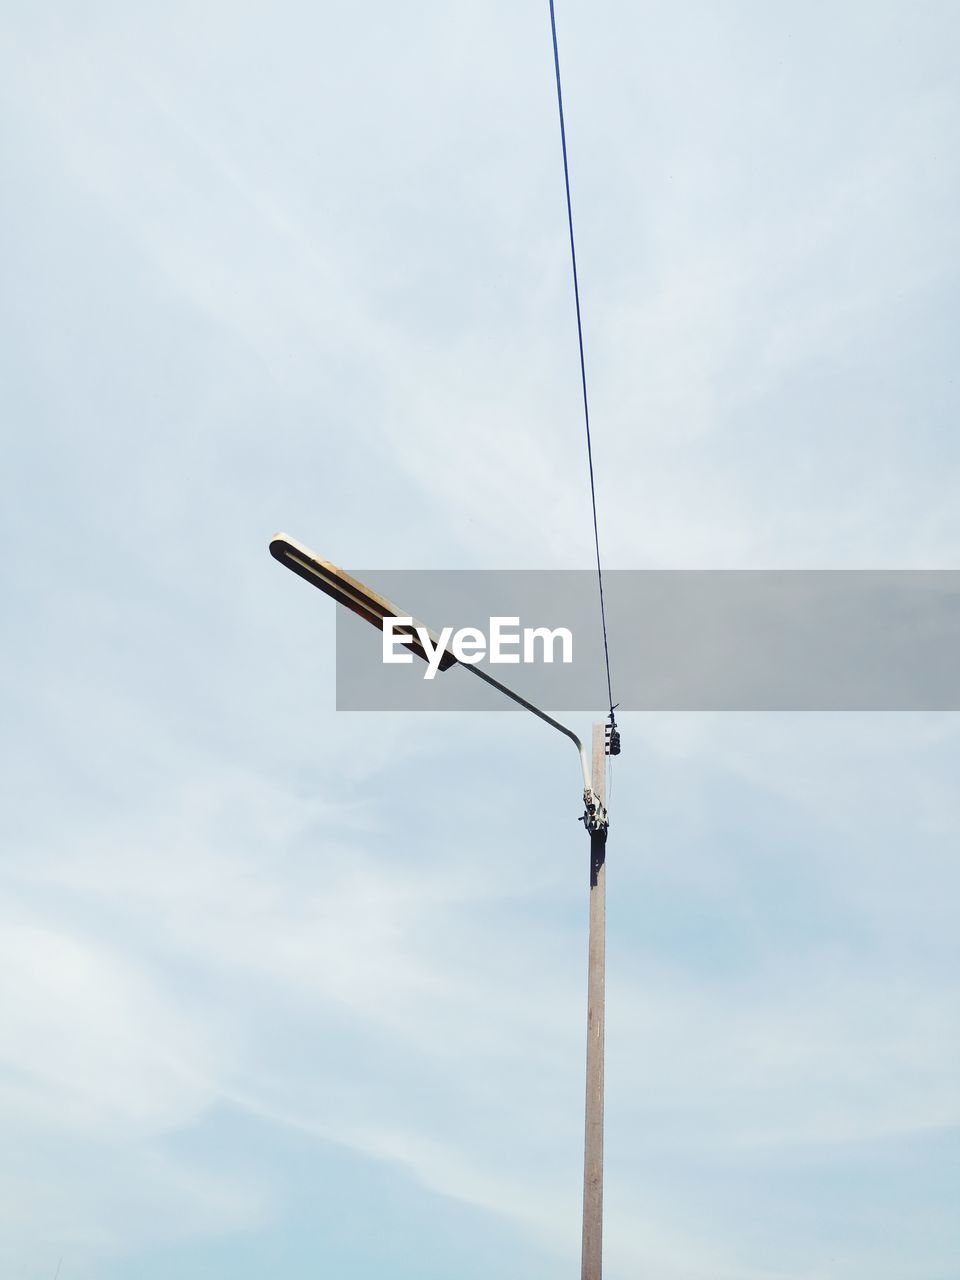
583	366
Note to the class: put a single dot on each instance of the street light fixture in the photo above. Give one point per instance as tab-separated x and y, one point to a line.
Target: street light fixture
375	608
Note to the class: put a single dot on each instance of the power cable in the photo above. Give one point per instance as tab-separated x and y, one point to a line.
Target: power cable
583	366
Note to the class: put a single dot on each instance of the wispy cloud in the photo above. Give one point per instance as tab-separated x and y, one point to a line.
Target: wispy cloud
308	268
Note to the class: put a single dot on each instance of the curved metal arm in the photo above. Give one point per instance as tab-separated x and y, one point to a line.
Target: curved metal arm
584	762
375	608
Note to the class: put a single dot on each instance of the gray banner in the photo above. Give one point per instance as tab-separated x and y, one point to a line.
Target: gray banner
753	640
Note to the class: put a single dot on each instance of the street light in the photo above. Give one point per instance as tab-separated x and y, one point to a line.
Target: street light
375	608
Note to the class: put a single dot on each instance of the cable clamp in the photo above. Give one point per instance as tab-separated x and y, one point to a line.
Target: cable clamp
595	817
612	734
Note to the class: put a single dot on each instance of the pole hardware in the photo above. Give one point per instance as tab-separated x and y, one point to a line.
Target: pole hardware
612	734
595	817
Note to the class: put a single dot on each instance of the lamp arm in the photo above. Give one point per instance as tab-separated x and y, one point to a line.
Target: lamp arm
596	815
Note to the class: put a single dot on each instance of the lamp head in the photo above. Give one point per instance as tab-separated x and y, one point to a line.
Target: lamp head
350	592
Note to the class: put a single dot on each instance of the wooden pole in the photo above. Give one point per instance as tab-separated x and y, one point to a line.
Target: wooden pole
591	1262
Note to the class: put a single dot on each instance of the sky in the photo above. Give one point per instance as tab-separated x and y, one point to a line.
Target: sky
287	991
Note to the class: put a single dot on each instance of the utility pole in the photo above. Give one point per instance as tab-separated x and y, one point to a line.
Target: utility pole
376	609
591	1264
